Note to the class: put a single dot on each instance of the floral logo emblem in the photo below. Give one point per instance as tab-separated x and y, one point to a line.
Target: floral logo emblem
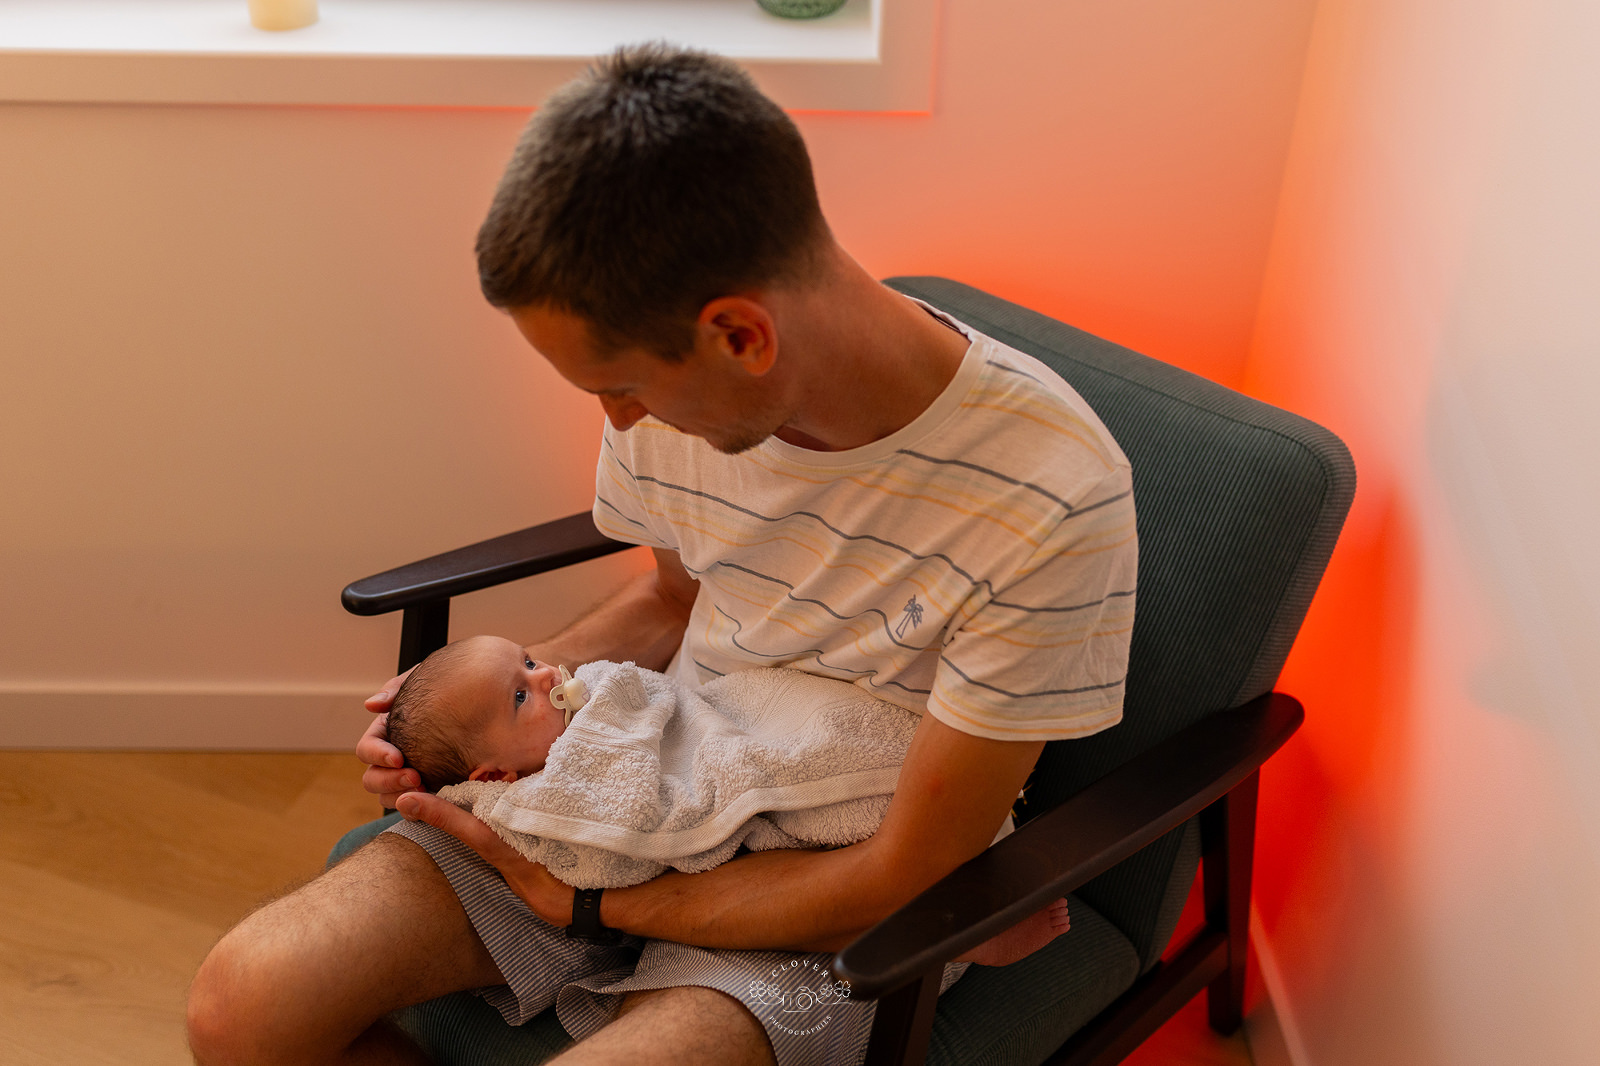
800	1009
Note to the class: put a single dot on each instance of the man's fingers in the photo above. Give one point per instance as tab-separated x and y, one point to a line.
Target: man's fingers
388	785
380	700
374	748
442	814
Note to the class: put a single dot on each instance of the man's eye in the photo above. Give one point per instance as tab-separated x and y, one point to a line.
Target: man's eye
522	696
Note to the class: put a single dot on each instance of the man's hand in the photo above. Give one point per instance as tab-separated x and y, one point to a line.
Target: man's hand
547	897
385	774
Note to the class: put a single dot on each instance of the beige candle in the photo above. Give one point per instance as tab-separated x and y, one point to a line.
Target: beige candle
282	14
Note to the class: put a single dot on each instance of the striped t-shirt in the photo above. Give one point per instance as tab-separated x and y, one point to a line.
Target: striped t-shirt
978	564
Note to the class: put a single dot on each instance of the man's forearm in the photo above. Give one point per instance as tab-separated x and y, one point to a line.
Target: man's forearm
800	900
643	621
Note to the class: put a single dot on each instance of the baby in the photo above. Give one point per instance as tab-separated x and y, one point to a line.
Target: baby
477	710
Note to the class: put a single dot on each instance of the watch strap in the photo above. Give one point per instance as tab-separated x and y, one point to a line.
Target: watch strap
586	918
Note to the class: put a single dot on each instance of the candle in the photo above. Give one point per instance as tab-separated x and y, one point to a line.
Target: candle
282	14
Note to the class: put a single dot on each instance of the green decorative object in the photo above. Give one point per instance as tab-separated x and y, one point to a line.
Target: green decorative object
801	9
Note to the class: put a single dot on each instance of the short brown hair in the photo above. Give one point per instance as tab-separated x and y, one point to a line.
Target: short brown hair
656	182
423	724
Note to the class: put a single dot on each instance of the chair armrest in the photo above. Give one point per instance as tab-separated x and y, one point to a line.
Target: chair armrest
1070	844
534	550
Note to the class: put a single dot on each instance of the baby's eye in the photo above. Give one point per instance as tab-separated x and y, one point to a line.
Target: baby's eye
522	696
529	663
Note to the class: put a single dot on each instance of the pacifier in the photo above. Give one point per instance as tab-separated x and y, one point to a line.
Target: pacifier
570	694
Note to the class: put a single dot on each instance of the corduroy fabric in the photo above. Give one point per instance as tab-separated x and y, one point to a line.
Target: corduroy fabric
1020	1013
1238	505
464	1030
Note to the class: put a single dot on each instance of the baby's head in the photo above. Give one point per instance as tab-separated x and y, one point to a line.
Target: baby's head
478	709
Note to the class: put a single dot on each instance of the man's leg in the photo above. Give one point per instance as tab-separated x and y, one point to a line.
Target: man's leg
308	978
674	1027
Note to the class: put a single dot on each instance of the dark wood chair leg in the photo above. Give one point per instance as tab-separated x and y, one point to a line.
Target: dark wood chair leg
904	1022
1228	833
424	629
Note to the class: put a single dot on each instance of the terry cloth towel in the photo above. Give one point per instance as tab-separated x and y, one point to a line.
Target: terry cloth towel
652	775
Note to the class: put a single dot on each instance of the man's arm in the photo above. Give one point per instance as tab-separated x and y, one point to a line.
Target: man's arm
954	792
643	621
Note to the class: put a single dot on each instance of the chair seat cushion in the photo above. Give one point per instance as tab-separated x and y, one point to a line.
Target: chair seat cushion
1019	1014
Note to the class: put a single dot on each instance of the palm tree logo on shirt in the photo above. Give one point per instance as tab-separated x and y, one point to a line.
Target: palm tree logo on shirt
911	619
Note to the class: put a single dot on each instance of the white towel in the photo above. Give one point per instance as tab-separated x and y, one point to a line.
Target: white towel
652	775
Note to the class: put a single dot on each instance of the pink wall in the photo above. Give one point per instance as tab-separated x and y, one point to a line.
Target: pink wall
1116	165
1430	884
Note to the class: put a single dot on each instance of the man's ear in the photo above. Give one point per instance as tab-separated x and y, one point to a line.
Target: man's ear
491	773
741	329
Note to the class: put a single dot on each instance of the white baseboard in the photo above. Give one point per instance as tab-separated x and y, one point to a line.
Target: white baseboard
182	717
1270	1029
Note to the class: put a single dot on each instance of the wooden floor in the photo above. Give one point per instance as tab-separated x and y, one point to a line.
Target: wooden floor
120	870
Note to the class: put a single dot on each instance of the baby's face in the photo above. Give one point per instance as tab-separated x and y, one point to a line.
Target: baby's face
511	719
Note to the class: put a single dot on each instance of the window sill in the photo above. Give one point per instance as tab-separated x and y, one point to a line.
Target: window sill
871	55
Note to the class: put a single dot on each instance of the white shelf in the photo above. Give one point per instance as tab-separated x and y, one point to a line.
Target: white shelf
871	55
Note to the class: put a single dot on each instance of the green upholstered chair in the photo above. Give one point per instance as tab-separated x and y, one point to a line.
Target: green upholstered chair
1239	505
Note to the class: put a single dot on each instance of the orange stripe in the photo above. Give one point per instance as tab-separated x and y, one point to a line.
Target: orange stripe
1090	445
1024	732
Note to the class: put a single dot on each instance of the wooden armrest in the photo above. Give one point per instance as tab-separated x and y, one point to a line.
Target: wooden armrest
1068	845
534	550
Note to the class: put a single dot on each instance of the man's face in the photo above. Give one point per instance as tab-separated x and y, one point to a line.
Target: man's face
708	394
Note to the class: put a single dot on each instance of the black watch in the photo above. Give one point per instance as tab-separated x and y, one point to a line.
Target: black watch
586	919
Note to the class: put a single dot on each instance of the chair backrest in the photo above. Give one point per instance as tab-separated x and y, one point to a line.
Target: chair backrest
1238	505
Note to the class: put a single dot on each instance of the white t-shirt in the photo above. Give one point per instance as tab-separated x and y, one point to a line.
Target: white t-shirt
978	564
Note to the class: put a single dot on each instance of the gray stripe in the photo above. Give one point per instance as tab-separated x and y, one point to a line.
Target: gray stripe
1060	610
801	599
1028	695
790	655
1014	370
805	514
997	475
617	511
983	583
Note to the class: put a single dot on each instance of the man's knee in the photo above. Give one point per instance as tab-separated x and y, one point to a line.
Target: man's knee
242	1002
308	974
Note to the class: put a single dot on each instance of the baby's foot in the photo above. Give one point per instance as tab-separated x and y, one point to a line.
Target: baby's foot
1022	939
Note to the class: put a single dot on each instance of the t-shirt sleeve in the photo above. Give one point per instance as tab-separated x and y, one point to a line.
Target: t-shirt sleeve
1045	655
619	506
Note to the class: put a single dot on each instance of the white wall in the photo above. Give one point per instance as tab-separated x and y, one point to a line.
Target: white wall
1433	888
245	361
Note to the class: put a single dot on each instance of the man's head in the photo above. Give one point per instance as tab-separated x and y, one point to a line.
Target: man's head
659	181
477	709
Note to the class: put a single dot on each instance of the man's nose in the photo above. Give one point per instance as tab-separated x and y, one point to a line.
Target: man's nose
622	412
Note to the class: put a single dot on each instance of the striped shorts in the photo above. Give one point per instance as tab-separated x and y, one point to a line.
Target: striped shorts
790	993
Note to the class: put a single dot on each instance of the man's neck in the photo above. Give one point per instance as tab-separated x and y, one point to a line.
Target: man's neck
864	360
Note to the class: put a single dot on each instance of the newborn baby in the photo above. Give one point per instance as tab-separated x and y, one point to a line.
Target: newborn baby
476	710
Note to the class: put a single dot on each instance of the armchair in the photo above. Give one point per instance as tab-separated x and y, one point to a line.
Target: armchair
1239	505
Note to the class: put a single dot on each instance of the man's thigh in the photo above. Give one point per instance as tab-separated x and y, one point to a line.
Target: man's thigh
672	1026
315	969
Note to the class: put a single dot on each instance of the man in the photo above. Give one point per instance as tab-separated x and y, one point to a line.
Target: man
833	478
